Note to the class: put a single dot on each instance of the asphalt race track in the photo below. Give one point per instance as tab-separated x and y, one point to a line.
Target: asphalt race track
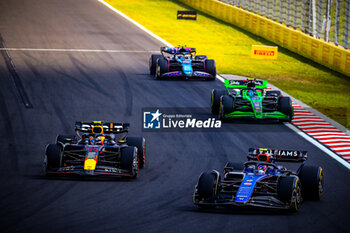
65	86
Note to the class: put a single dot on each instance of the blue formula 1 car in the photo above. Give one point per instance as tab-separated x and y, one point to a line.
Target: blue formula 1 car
260	182
181	62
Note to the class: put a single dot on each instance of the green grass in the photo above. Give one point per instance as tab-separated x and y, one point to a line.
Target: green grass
321	88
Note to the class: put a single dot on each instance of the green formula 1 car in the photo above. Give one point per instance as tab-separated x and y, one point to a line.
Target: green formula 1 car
250	99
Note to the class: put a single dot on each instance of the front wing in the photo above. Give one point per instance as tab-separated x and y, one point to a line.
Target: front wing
195	74
264	115
269	202
99	171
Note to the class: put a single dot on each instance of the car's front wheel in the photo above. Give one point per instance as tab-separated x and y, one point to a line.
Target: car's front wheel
153	63
140	143
215	100
206	187
53	157
289	191
162	67
226	106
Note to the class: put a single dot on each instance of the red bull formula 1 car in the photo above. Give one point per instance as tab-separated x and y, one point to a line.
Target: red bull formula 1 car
181	62
96	150
261	182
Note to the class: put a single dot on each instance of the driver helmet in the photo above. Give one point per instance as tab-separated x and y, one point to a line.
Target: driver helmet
250	93
262	169
100	139
92	140
182	50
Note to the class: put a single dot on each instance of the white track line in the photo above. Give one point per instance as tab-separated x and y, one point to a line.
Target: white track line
341	148
289	125
333	140
344	153
331	137
338	144
303	114
313	126
307	120
328	134
78	50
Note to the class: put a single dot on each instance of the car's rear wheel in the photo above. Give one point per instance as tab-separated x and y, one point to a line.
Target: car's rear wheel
153	63
285	107
210	68
53	157
140	144
289	191
215	100
311	178
162	67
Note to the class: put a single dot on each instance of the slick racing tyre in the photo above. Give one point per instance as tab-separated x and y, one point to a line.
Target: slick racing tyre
215	100
285	107
127	158
153	63
289	191
140	144
162	67
311	178
206	187
226	106
210	68
275	93
65	138
53	158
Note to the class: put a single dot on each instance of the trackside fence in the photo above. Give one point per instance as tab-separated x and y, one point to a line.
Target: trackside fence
297	39
326	19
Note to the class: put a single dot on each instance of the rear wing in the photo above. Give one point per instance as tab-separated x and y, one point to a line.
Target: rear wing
276	155
101	127
262	84
176	50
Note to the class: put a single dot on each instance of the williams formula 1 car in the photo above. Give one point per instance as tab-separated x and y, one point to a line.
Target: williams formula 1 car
181	62
260	182
95	150
250	99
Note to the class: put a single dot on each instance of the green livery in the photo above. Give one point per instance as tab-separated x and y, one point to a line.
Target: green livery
250	99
